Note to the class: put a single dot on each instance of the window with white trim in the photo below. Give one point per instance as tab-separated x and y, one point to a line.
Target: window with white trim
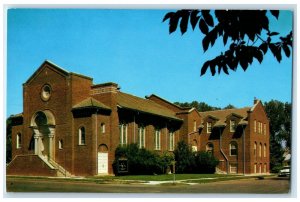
265	150
254	149
19	141
208	127
81	136
254	124
233	149
123	134
232	126
157	139
195	125
171	140
141	136
265	129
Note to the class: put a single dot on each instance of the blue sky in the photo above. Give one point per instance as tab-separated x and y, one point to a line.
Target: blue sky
134	49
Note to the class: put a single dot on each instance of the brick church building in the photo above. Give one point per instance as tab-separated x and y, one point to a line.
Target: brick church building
71	127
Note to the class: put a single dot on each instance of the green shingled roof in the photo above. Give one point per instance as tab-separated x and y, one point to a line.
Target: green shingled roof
144	105
91	103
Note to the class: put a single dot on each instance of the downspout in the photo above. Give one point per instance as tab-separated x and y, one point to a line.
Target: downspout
244	150
222	152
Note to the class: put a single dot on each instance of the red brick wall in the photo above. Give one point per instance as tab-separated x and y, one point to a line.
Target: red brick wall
33	166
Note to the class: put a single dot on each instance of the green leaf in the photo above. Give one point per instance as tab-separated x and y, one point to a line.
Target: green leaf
184	22
264	47
203	27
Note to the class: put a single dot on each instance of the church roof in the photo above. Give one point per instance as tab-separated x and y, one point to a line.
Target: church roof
90	103
222	115
128	101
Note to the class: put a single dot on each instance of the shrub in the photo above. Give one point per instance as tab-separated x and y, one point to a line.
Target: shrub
204	162
141	161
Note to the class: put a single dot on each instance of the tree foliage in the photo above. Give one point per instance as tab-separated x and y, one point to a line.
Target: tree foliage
200	106
188	161
246	32
8	140
280	117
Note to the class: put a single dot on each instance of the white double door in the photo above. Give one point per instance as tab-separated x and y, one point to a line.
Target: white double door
102	163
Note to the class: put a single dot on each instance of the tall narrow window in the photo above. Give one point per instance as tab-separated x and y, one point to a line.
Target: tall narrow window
19	141
233	168
171	140
265	150
195	125
208	127
254	168
123	134
259	150
254	149
265	168
254	124
81	136
102	128
232	126
157	139
141	136
60	144
210	148
265	129
233	149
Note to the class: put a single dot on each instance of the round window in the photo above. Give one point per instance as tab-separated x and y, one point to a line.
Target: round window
46	92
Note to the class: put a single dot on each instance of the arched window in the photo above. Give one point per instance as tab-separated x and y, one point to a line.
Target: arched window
194	145
19	141
265	150
157	139
210	148
102	128
123	134
232	126
254	149
259	150
60	144
141	136
81	136
233	149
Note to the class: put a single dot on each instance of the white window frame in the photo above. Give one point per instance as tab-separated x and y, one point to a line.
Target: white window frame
195	125
81	136
255	126
157	139
141	136
230	148
265	150
255	149
171	140
19	141
123	134
208	127
265	129
232	126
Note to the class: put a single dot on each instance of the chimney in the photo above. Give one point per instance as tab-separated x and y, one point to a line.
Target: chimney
255	100
109	87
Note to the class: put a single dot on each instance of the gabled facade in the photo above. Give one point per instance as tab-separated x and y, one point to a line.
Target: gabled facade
69	126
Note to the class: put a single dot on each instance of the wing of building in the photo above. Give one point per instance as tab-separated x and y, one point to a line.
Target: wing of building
71	127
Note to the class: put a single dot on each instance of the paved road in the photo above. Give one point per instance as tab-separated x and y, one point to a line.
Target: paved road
266	186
